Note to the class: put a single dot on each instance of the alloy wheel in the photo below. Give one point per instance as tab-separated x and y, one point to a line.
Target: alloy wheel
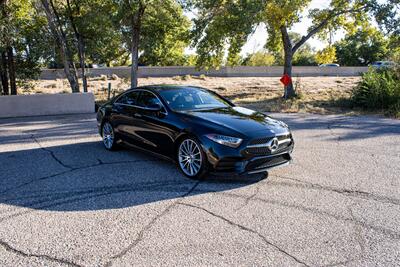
190	157
108	135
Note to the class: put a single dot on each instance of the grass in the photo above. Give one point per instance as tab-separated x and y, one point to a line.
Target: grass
331	101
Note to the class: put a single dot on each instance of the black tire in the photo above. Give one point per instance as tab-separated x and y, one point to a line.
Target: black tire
188	162
109	137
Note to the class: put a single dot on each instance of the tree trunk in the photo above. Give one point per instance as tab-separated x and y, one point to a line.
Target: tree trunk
11	70
136	27
4	73
56	28
135	59
287	69
71	74
81	45
81	49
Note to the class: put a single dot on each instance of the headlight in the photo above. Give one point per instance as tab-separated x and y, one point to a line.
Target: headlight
225	140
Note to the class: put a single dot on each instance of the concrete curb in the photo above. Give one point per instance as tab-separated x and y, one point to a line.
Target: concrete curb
46	104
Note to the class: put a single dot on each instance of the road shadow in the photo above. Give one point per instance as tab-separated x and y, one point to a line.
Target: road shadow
86	177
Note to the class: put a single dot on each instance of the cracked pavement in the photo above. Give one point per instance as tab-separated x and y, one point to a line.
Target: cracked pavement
66	201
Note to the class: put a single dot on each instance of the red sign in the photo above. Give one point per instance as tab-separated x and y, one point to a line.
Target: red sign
286	80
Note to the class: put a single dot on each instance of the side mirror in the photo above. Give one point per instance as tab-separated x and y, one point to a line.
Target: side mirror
154	107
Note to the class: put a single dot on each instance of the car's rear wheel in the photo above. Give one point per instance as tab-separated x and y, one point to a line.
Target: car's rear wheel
108	135
192	160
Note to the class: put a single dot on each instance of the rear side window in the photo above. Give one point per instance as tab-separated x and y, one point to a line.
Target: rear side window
130	98
147	99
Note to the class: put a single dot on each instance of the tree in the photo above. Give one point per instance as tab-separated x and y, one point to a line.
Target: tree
57	28
222	24
326	55
388	18
131	14
362	47
165	36
154	27
7	64
20	31
305	55
74	15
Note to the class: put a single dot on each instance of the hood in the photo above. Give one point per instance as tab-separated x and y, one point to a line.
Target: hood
242	120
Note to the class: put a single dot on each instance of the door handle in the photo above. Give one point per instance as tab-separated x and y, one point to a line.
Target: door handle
137	115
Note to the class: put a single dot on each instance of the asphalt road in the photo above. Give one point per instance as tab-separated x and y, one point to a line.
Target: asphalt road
66	201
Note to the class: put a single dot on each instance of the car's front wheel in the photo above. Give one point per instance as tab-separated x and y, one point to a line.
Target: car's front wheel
108	134
192	160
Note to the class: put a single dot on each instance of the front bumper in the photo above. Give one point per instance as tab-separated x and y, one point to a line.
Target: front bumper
229	160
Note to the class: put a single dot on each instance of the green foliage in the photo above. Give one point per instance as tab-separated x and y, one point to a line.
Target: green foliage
259	59
105	28
379	90
23	29
387	15
103	43
304	58
277	14
221	26
362	47
326	55
164	34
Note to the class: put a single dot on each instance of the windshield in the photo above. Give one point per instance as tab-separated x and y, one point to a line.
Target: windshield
180	99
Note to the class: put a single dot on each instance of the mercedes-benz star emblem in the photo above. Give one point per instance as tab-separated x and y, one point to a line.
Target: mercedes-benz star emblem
274	144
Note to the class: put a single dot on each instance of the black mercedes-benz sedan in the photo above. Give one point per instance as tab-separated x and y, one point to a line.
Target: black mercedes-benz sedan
197	128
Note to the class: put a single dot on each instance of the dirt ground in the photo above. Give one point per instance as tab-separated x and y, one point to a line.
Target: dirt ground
316	94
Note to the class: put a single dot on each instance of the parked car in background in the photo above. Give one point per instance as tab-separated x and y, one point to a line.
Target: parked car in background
329	65
383	64
198	129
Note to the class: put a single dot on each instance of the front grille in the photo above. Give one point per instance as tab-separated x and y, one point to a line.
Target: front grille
259	141
257	150
265	150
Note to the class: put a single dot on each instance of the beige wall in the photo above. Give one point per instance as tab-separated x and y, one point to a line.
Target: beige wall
42	104
243	71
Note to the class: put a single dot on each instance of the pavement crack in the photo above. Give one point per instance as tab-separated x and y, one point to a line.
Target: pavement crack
52	154
12	249
142	232
244	228
100	163
388	232
358	232
343	191
55	199
248	199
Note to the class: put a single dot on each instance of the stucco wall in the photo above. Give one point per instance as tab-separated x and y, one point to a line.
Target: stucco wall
42	104
244	71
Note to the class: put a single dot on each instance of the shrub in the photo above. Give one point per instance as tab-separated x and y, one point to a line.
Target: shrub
379	90
186	77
